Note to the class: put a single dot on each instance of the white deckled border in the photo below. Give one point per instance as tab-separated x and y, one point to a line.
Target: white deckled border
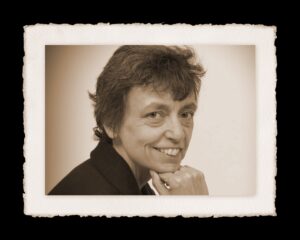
36	203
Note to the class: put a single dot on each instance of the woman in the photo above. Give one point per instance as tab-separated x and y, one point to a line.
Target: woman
145	100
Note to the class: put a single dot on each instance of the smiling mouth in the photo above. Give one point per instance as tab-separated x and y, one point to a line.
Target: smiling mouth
169	151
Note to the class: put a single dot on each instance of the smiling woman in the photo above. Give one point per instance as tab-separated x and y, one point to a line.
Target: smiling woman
145	100
155	131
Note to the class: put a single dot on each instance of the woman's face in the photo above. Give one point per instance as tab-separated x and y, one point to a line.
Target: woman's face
156	130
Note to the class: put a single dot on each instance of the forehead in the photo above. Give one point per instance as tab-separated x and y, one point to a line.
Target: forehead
141	97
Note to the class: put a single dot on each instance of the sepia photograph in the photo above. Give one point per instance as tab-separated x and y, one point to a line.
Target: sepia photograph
145	102
126	120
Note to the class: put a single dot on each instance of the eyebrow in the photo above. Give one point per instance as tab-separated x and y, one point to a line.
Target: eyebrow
192	106
160	106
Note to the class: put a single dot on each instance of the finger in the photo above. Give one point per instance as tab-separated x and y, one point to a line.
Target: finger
197	175
181	169
178	170
172	180
183	172
158	184
184	168
205	188
191	171
203	184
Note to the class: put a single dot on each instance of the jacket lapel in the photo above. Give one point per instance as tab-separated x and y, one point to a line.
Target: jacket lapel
114	168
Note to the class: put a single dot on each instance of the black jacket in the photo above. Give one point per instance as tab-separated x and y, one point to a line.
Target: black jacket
105	173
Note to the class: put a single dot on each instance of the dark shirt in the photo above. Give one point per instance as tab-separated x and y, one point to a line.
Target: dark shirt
105	173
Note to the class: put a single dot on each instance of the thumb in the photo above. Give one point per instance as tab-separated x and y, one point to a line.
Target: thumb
157	183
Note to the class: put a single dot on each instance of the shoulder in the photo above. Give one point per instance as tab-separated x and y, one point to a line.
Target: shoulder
85	179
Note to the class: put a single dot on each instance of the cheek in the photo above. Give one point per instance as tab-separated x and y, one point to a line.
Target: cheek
147	135
188	129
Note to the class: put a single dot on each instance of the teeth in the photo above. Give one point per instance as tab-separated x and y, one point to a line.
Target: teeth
169	151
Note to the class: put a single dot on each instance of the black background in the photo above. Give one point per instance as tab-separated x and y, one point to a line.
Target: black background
283	17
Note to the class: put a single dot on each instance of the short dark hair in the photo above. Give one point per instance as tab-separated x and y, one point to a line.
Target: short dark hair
164	68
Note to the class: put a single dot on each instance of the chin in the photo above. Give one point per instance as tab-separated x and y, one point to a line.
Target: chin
169	168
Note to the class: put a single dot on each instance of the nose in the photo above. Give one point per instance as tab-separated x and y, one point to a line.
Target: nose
174	130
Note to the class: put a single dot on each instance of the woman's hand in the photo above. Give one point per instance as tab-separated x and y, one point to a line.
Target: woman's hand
185	181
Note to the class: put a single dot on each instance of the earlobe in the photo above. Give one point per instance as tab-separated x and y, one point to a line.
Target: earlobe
109	132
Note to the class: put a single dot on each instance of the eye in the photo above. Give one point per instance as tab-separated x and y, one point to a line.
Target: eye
187	115
154	115
155	119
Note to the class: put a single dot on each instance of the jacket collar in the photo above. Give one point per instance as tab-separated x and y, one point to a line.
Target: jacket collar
115	169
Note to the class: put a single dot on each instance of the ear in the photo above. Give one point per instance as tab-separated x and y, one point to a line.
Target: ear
109	132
